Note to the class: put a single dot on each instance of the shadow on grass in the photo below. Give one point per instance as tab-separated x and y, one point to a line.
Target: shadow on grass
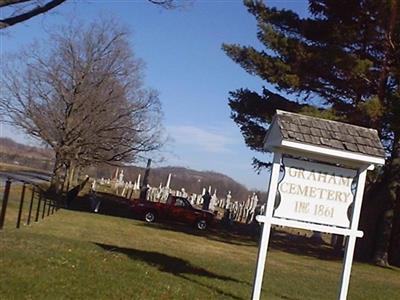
287	297
238	234
301	245
110	205
173	265
216	289
248	235
388	267
217	233
117	206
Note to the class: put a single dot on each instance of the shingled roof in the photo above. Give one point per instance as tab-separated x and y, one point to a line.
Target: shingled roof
327	133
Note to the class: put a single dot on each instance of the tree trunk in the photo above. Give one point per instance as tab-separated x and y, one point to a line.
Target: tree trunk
56	176
394	247
377	219
381	256
368	224
71	175
384	226
394	250
65	181
80	174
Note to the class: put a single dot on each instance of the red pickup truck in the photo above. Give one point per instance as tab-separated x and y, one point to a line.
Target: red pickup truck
176	209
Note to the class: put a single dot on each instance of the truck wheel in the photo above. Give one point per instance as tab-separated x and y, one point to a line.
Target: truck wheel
201	224
150	217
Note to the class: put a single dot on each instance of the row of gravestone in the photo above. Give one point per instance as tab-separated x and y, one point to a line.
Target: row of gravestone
239	211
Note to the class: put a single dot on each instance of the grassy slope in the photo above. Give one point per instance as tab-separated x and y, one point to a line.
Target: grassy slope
75	255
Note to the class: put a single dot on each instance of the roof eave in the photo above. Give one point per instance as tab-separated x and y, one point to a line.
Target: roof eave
325	154
273	137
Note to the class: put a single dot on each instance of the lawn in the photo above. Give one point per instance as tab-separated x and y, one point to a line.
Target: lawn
78	255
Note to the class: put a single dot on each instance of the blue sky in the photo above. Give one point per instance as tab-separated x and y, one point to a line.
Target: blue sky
184	62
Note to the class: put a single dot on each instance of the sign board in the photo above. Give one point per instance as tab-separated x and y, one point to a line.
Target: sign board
315	192
317	195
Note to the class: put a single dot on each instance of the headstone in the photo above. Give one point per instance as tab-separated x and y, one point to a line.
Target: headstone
138	183
93	186
183	193
121	177
168	181
228	200
213	201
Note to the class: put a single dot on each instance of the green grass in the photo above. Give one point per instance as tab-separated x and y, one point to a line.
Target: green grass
76	255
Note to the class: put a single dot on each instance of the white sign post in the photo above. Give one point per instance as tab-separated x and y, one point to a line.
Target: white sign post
316	196
262	251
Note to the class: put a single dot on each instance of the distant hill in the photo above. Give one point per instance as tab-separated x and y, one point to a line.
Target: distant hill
20	154
8	145
192	180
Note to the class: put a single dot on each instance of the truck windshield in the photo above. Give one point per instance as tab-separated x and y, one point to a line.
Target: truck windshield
182	202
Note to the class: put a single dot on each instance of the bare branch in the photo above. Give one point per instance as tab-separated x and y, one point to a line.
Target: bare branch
11	2
29	14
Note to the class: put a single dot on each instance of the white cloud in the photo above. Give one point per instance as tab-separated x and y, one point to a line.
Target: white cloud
204	140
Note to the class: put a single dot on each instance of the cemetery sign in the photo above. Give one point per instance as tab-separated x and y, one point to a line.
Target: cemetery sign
315	193
317	181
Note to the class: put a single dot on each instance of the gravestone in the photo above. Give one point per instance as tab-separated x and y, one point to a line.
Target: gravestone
121	177
137	183
228	200
213	201
168	181
317	181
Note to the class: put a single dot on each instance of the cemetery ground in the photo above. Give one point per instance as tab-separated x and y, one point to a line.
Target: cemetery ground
81	255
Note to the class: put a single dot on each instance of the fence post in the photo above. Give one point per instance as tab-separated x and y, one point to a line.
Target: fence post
44	206
53	207
31	205
5	202
21	205
38	208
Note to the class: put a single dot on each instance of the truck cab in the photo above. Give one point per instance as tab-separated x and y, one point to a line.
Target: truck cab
176	209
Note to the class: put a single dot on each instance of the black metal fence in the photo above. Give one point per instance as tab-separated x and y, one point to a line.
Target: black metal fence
24	203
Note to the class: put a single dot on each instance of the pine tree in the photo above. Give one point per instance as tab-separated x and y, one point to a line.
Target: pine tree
342	62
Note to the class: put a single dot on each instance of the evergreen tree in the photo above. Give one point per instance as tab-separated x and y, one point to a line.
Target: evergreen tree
342	62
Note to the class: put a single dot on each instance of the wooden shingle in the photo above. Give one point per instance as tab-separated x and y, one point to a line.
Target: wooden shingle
327	133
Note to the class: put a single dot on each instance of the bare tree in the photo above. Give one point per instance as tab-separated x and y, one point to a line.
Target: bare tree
18	11
83	96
